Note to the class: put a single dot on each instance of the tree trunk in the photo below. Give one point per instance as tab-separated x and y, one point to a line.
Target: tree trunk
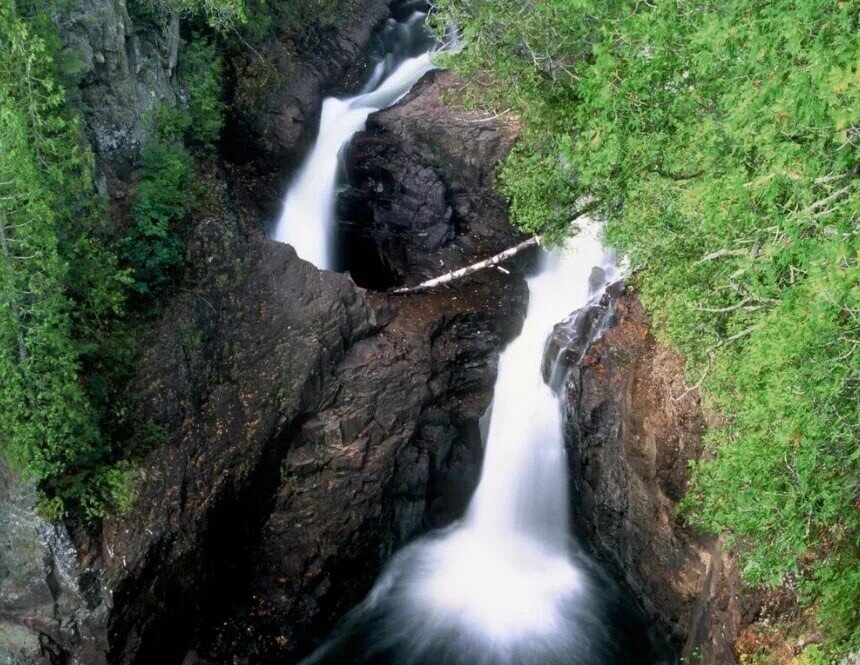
449	277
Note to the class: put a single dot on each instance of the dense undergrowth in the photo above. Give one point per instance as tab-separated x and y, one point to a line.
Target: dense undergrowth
76	290
58	279
720	142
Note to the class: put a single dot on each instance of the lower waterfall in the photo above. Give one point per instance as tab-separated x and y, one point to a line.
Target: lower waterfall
507	584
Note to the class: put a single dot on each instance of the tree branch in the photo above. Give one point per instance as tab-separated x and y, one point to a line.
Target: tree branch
685	175
722	252
449	277
737	336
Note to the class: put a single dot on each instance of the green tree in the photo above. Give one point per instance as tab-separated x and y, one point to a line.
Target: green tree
155	244
221	15
202	71
48	427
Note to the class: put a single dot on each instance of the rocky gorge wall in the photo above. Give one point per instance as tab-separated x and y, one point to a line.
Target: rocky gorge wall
632	427
307	427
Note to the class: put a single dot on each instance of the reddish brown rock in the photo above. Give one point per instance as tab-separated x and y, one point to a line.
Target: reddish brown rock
631	429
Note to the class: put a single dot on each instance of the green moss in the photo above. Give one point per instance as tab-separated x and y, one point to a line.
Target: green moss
190	337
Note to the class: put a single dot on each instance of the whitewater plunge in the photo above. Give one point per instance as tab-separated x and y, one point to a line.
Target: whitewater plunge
507	585
308	216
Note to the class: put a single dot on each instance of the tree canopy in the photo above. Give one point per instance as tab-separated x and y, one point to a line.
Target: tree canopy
56	278
69	280
720	142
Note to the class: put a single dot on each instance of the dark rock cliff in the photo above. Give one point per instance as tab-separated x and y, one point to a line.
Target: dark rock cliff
631	428
124	66
420	200
396	450
279	86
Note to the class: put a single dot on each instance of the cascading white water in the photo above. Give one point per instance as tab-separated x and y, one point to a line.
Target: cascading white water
506	568
505	585
523	487
307	218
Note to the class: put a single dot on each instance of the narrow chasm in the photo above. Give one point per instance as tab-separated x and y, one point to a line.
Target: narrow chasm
392	447
500	580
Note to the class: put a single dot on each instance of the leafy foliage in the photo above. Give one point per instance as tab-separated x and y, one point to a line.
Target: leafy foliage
221	15
155	243
720	142
56	277
200	66
66	344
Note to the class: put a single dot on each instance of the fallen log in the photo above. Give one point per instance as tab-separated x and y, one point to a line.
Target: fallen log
449	277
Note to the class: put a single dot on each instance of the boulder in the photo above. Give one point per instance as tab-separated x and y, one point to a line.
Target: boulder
420	199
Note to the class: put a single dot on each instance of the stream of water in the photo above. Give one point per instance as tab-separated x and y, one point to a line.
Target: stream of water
307	219
507	585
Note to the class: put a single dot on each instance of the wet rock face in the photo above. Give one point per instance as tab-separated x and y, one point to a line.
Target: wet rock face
631	428
47	597
420	200
396	451
280	117
278	88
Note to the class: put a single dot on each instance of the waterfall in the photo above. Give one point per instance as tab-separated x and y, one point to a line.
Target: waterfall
507	585
505	571
308	216
523	487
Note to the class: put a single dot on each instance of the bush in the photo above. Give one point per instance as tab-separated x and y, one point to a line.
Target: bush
221	15
200	67
155	243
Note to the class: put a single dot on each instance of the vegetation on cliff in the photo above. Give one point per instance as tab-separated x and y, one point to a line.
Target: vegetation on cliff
720	142
221	15
70	281
78	283
58	280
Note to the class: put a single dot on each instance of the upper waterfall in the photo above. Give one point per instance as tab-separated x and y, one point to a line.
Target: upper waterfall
308	215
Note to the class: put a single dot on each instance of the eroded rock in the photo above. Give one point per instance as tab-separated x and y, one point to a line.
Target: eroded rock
631	428
421	200
397	450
